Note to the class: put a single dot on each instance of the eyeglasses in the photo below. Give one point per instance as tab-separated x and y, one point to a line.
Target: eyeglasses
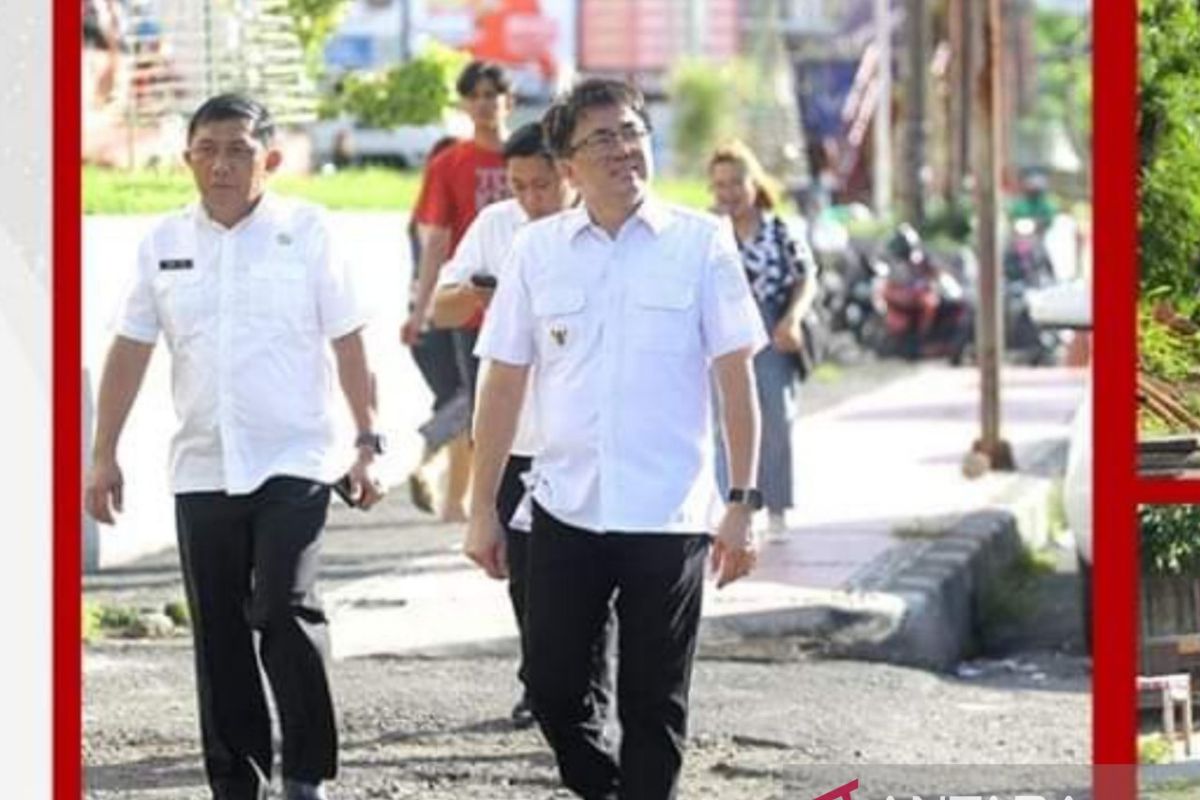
236	154
606	139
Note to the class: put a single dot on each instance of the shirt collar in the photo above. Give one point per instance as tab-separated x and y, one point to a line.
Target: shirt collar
652	213
265	203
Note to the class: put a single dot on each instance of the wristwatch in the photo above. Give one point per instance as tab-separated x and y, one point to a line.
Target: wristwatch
375	441
748	497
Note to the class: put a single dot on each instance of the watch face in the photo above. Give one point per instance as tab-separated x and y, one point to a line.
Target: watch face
749	497
375	441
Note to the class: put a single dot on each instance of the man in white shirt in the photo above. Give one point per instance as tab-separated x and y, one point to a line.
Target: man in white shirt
622	306
249	294
465	286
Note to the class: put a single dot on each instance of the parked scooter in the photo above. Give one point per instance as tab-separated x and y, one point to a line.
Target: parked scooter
924	311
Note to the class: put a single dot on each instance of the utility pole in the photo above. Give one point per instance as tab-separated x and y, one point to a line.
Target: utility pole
989	329
405	30
882	179
916	102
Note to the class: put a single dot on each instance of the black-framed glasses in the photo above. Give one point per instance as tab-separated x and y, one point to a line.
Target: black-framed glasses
237	153
605	140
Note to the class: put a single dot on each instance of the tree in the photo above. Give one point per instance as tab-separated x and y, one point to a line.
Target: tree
702	96
413	93
1169	144
1170	537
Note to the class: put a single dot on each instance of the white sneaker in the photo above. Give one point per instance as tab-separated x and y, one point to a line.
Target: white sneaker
776	526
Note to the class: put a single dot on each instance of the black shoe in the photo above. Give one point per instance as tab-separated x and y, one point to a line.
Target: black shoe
522	713
298	790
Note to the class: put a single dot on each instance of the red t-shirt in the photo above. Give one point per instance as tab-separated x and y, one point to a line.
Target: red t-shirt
460	181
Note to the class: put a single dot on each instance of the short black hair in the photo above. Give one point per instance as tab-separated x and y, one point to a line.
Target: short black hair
234	106
563	115
478	71
527	141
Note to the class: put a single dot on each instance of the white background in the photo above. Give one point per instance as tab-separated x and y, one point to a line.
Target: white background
25	567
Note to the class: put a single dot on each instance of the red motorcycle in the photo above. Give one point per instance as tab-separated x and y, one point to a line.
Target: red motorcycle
923	309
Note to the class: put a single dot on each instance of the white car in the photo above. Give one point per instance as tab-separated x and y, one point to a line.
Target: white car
1068	305
405	147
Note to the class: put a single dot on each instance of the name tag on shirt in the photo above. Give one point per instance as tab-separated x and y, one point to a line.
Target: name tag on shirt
175	263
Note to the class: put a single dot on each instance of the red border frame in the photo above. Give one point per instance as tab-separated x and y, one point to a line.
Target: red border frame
67	391
1114	192
1116	488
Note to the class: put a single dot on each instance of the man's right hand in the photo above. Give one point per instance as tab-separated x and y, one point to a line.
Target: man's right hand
412	328
484	544
104	491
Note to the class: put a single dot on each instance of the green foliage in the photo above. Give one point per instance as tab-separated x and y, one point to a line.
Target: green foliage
702	96
1155	749
1010	597
90	623
1169	143
1170	539
416	92
1165	354
1064	73
177	612
314	21
113	617
952	222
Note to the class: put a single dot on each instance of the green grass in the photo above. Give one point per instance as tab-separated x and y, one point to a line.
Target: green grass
1056	511
1176	790
107	191
1010	597
152	192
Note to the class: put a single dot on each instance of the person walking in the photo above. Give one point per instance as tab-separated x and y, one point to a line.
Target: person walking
465	287
619	309
460	181
433	351
256	308
782	275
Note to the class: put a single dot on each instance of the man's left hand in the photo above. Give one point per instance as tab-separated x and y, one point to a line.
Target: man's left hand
364	488
735	549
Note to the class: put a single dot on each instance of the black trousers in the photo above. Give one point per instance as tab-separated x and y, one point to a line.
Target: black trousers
657	581
250	566
516	546
436	357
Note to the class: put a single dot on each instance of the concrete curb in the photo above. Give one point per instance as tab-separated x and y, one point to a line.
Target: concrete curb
939	585
918	604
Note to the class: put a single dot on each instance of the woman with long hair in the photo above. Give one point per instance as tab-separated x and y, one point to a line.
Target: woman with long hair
782	276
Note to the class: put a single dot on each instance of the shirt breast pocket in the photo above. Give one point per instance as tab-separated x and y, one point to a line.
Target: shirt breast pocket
663	318
560	321
278	297
182	300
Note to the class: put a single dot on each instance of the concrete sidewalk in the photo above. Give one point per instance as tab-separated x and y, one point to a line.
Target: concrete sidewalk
882	463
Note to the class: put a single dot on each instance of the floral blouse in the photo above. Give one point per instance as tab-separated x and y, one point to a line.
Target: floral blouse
775	262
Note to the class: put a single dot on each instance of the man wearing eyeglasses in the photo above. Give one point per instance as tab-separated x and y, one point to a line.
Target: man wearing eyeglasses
257	311
621	307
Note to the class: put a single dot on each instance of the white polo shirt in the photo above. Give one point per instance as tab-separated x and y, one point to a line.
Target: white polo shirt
483	249
622	332
247	313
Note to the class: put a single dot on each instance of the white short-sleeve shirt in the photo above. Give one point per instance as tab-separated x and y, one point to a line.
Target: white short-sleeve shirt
622	331
484	250
247	313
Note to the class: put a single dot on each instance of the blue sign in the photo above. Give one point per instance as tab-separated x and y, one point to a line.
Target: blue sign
350	51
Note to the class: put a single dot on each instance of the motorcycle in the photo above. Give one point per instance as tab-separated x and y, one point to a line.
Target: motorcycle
923	310
1027	268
